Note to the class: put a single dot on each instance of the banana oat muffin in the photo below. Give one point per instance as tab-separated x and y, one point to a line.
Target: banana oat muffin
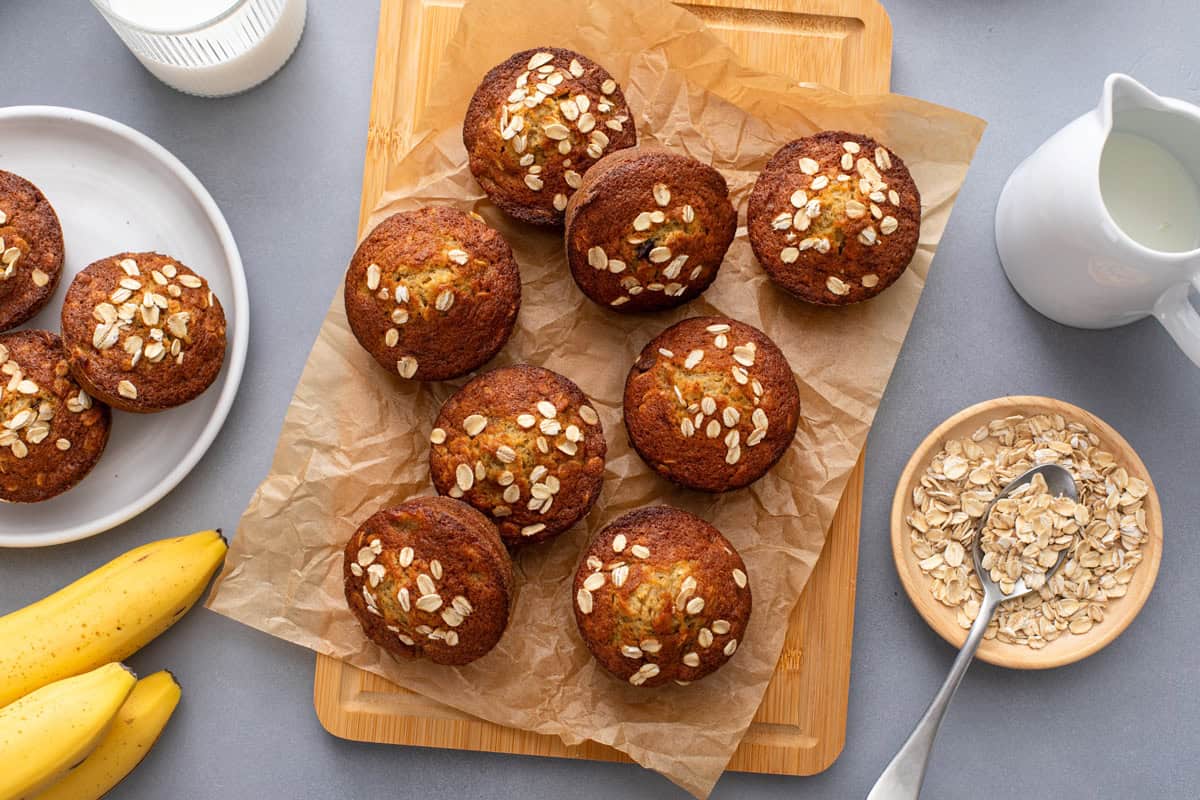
834	218
430	578
31	250
53	433
711	404
143	332
523	445
661	595
536	124
648	229
433	293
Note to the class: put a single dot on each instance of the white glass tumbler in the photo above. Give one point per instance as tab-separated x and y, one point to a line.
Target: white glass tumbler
210	48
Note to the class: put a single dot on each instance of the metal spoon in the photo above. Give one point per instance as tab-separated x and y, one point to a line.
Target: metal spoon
903	777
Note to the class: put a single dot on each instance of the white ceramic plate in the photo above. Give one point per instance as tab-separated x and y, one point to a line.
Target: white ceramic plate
115	190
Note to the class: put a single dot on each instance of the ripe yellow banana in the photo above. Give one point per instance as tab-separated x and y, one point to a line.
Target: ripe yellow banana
47	732
134	731
106	615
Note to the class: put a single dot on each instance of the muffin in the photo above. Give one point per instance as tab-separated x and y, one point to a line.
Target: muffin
523	445
143	332
53	433
432	293
31	250
536	124
834	218
661	596
429	578
648	229
711	404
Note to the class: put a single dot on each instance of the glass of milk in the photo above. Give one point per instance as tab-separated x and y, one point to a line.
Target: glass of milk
209	48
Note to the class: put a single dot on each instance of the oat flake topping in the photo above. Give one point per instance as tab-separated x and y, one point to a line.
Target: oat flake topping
424	292
548	103
668	271
26	411
737	424
700	634
144	318
536	488
10	255
441	614
858	185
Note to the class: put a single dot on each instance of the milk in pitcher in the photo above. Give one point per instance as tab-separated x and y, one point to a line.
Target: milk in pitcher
1149	193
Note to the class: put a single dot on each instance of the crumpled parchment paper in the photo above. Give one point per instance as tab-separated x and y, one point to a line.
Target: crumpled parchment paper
356	438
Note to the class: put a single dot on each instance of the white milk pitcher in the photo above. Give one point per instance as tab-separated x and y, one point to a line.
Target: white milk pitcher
1100	226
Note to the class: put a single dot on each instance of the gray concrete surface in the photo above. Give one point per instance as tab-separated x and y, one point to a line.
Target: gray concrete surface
284	163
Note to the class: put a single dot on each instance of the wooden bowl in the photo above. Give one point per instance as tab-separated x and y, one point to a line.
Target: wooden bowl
1068	648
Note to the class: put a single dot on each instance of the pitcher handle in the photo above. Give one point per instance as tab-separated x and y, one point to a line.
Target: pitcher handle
1177	314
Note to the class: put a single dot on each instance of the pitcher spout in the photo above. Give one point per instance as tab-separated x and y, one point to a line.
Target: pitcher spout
1122	93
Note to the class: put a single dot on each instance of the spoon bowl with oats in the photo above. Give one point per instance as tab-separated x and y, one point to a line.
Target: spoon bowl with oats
1020	541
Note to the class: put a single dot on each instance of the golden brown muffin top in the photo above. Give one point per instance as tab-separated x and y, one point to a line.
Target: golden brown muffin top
143	331
661	595
711	403
31	250
536	124
835	217
432	293
648	229
429	577
523	445
52	433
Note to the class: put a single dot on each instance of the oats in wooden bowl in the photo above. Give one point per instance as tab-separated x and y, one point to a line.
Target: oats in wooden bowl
1112	536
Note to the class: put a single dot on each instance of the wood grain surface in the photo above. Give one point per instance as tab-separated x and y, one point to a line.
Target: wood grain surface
800	727
1065	649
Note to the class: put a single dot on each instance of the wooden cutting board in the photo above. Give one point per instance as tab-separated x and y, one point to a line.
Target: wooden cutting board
800	727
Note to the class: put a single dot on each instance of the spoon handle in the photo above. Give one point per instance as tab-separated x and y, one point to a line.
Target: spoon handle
902	778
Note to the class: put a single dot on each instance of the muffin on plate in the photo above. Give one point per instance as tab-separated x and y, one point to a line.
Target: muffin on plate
51	432
143	332
433	293
429	578
711	404
523	445
31	250
536	124
648	229
834	218
661	596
